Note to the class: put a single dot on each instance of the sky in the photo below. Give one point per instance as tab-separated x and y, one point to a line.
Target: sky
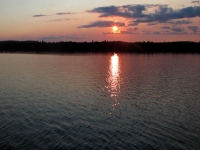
93	20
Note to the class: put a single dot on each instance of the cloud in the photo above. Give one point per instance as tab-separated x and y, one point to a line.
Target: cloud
152	23
148	32
106	33
57	20
62	13
151	14
134	29
193	28
166	27
126	11
39	15
193	2
103	24
127	31
133	24
172	30
178	31
165	14
157	33
167	31
130	31
147	13
178	22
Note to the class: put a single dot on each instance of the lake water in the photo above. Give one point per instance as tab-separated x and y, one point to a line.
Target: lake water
107	101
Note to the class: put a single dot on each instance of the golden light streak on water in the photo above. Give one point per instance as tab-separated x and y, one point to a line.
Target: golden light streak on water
114	80
114	76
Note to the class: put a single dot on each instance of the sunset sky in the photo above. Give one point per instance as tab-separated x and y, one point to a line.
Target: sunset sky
87	20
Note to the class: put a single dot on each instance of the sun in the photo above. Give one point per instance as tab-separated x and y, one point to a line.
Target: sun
115	28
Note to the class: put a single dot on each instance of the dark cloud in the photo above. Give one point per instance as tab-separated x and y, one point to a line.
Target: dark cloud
194	28
62	13
130	31
39	15
167	31
148	32
126	11
157	33
178	22
166	14
141	14
166	27
178	30
134	29
133	24
103	24
152	23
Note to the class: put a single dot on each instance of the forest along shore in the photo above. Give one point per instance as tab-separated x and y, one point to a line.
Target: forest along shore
98	47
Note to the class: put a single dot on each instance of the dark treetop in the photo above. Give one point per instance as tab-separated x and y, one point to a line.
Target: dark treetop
98	47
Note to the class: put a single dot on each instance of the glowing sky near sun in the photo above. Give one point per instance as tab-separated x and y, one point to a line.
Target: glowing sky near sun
75	20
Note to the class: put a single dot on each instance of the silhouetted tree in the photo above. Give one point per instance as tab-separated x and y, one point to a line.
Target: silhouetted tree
98	47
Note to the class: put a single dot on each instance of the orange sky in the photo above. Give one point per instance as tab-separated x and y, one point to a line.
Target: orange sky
89	20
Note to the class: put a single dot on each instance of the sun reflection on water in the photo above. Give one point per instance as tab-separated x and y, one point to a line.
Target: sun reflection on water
114	80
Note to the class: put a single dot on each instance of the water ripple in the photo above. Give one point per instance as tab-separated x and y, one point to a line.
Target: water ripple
99	101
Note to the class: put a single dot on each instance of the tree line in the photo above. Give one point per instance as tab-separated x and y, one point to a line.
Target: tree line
99	47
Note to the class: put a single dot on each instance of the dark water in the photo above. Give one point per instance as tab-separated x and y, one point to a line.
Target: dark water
99	101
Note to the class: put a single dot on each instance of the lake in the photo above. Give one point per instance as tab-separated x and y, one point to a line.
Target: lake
86	101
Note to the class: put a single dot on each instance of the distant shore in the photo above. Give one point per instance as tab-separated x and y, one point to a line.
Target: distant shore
41	47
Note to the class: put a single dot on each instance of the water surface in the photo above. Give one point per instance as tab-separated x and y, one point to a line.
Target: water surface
99	101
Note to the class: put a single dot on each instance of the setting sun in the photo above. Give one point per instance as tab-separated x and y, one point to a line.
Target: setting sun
115	28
